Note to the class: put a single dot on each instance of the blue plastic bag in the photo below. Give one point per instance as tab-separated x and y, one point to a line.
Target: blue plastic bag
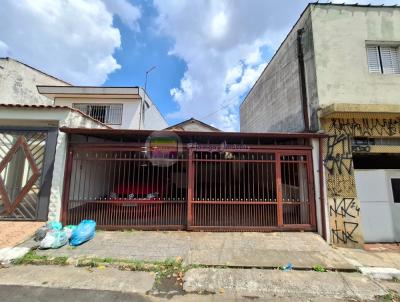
83	232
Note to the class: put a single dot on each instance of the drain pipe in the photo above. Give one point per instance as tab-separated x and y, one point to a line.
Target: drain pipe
302	74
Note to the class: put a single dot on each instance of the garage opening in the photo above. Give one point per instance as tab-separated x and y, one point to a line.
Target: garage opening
377	178
234	186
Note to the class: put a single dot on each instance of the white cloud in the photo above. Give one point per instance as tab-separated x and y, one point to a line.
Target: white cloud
222	43
71	39
128	13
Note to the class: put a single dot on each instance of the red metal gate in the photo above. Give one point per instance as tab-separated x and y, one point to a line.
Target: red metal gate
258	189
252	189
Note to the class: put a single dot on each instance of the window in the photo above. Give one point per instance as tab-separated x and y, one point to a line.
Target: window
105	113
383	59
396	189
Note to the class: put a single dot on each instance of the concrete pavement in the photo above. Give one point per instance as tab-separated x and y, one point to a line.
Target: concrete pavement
68	283
78	278
268	250
46	294
275	283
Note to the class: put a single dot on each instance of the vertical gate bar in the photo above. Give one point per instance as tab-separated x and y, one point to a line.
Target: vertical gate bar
67	183
190	188
279	188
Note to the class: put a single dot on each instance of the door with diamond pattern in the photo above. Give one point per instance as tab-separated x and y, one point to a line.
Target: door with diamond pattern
26	164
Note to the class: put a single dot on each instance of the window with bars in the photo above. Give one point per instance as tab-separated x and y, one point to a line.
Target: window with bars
106	113
383	59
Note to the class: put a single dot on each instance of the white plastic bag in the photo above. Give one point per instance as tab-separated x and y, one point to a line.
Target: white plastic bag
54	239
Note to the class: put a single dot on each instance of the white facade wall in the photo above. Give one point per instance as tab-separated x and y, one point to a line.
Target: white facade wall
130	108
152	119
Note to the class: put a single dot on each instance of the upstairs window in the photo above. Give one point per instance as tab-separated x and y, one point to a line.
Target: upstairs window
106	113
383	59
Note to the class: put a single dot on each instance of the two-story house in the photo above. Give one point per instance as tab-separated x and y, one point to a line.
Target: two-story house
338	72
118	107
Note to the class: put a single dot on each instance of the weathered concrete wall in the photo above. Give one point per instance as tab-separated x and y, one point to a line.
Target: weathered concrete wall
340	37
274	102
18	83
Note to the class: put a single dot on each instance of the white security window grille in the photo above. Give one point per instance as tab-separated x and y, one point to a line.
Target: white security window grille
106	113
383	59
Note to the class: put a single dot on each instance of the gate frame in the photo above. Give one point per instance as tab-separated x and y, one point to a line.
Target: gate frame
278	150
46	175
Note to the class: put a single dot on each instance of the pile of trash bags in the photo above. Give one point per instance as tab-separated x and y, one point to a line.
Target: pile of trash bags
54	235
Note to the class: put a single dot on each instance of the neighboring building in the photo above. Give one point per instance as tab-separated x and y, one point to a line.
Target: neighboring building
33	149
338	72
192	125
118	107
18	83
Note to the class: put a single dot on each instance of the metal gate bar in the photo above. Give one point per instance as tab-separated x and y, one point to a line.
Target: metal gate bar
251	190
226	190
124	188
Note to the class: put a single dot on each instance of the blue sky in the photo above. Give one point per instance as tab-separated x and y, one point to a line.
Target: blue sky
142	50
207	53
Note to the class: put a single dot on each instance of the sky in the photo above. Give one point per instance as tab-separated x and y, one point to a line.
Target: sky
207	54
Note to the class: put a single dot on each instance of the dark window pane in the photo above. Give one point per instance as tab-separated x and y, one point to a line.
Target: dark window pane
396	189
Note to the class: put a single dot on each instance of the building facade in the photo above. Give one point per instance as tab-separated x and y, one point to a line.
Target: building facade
117	107
338	72
34	107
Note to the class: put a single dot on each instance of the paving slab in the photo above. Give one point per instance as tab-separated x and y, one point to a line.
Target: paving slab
303	250
377	258
78	278
385	273
259	283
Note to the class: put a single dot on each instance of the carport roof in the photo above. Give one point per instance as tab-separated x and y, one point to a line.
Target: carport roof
129	132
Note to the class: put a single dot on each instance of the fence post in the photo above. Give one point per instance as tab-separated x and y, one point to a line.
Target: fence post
279	188
67	182
190	189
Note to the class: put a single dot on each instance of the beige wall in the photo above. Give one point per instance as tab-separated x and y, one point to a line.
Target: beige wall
340	35
18	84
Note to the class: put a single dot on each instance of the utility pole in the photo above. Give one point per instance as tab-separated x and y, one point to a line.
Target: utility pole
143	100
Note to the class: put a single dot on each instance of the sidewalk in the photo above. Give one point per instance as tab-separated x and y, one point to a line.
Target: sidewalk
15	232
372	258
265	250
207	284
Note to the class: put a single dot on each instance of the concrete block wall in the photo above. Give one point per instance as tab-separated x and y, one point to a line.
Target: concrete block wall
274	103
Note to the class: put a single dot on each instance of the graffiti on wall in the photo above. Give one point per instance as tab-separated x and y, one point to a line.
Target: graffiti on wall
365	127
345	214
344	207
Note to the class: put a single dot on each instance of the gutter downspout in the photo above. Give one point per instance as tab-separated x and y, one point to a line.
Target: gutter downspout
303	87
